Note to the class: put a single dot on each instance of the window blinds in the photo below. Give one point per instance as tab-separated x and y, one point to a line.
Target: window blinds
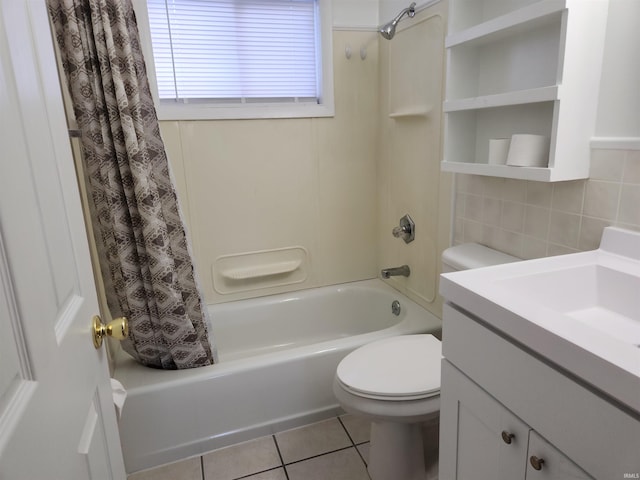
235	50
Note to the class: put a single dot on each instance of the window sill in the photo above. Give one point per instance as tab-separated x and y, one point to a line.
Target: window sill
243	111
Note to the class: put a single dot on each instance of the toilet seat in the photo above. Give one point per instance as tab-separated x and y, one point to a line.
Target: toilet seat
400	368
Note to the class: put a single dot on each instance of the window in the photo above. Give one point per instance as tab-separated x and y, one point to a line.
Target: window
239	58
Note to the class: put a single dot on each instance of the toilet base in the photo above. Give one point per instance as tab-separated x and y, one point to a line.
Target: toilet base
396	451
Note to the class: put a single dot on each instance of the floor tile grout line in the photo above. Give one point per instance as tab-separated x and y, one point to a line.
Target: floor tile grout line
354	443
284	467
361	457
259	472
202	467
346	431
319	455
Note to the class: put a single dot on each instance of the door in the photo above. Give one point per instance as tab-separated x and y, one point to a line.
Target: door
479	438
545	462
57	419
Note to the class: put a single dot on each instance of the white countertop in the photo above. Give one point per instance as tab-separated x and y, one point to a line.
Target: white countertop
579	311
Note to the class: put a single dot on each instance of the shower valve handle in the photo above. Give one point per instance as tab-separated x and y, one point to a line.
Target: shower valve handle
406	230
397	231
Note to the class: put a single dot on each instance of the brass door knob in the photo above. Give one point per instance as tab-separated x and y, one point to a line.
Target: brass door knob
507	437
536	462
117	328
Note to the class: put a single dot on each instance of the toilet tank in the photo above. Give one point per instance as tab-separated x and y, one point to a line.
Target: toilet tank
472	255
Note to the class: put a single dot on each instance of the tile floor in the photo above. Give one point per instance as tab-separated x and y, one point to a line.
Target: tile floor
334	449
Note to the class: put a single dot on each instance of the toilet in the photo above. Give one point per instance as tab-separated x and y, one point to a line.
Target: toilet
395	383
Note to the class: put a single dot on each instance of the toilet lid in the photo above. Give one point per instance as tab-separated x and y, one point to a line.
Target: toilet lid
406	367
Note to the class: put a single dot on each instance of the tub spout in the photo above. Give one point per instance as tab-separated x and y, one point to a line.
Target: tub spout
404	271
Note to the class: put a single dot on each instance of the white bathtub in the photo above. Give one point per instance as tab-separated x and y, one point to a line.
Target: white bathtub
278	356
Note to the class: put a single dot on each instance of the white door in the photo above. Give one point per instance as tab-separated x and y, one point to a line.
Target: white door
57	419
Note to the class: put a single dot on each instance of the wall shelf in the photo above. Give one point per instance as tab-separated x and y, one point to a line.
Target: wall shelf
411	112
526	18
521	173
534	95
520	67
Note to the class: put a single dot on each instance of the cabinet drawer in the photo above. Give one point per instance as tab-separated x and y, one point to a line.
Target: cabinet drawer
602	439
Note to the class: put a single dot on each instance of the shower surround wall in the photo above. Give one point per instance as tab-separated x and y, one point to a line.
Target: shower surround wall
409	177
254	185
333	186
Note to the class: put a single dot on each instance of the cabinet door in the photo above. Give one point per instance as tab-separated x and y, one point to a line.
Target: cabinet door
545	462
479	438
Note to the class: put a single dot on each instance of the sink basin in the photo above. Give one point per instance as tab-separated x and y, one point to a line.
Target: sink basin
579	311
597	296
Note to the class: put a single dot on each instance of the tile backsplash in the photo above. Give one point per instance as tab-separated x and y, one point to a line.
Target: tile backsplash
534	219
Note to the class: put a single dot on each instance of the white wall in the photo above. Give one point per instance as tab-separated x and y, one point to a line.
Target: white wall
355	14
390	8
619	103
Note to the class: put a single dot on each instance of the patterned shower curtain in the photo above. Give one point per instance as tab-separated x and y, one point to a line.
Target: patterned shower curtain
144	250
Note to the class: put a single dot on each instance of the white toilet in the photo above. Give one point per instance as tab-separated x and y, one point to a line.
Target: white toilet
395	382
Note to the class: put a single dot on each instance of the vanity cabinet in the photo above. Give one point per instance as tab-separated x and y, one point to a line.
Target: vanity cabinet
523	67
482	440
503	408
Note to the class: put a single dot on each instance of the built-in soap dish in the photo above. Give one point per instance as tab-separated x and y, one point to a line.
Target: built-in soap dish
263	269
259	271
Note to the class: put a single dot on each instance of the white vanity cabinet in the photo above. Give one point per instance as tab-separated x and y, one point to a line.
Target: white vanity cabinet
523	67
482	440
508	414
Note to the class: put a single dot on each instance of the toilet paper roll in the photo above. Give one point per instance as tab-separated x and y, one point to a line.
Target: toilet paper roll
119	396
498	150
528	150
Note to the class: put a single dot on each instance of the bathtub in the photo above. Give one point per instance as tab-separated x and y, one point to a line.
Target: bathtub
278	356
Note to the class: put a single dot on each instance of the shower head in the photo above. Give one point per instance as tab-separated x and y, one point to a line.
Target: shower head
388	30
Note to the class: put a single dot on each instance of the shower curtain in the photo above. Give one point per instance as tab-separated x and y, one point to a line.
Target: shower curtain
145	258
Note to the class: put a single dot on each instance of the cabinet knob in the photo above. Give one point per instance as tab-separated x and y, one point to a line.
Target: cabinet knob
507	437
536	462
